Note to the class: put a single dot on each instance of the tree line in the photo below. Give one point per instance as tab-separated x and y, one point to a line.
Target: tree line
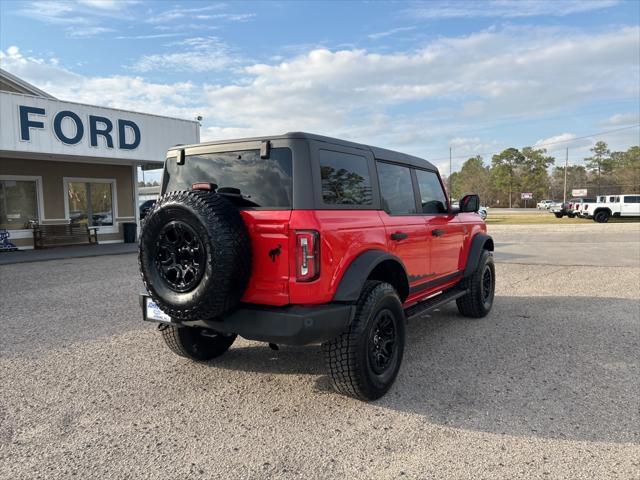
530	169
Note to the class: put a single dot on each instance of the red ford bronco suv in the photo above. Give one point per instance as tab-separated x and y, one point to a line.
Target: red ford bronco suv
303	239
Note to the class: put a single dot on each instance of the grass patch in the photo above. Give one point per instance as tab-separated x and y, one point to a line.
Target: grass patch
544	219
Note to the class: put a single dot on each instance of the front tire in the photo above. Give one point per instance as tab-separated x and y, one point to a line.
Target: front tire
478	302
363	361
558	215
196	343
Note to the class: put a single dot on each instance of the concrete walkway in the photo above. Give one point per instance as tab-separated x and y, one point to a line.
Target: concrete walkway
61	253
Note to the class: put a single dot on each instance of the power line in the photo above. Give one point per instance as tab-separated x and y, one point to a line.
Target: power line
566	142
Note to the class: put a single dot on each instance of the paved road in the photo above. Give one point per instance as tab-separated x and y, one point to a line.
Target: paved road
545	387
615	244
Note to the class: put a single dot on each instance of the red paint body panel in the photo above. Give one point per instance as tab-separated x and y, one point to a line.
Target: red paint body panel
345	234
269	232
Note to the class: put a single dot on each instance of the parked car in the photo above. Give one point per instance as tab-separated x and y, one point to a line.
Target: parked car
145	207
544	204
615	206
301	239
579	203
587	211
562	209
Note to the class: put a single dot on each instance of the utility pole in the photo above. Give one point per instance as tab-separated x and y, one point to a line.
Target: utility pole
450	172
566	167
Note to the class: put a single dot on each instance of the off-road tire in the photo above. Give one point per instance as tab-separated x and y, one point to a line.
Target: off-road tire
224	262
478	302
348	357
558	215
196	343
601	217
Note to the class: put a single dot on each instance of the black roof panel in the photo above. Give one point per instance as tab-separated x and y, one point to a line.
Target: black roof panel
379	153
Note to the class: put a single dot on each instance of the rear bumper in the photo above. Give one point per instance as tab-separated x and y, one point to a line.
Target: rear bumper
290	325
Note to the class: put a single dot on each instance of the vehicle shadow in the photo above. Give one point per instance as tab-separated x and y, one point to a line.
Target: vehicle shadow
555	367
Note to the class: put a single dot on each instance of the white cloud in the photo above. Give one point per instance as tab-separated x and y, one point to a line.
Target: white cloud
198	54
388	33
118	91
622	119
504	8
561	142
84	32
198	13
494	74
107	4
82	18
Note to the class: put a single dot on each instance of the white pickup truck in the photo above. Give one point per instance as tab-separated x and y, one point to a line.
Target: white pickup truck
607	206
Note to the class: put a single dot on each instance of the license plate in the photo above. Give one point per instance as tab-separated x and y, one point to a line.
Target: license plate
154	313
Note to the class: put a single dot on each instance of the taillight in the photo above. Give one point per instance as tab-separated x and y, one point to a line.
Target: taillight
307	255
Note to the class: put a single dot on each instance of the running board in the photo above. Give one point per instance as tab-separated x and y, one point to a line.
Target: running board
434	302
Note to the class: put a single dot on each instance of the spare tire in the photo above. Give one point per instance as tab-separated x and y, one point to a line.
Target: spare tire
195	255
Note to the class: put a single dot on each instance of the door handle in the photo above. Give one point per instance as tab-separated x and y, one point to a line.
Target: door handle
399	236
437	232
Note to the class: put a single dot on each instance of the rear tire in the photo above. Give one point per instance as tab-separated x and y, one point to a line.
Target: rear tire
196	343
363	361
601	217
571	215
478	302
558	215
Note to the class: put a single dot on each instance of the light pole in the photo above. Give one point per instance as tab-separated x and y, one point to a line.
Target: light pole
566	167
450	172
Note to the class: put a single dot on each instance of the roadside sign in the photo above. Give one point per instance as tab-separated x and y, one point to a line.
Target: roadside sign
526	196
579	192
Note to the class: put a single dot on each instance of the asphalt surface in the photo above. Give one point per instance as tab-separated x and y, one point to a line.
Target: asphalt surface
547	386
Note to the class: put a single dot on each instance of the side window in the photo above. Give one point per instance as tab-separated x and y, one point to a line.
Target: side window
631	199
345	179
432	197
396	189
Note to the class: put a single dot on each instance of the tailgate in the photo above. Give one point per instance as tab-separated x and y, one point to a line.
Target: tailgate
269	232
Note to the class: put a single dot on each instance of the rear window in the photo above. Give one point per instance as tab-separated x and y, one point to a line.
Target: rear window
266	183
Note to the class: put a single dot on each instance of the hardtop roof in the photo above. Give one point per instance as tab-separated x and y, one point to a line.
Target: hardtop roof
378	153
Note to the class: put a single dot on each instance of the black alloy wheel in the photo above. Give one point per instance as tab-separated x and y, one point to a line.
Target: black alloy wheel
180	257
481	286
363	361
382	342
487	286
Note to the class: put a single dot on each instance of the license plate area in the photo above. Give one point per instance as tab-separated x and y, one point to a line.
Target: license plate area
152	312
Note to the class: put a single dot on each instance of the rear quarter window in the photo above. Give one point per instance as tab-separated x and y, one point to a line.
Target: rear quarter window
345	179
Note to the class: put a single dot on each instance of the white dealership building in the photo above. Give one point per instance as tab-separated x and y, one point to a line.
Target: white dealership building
63	161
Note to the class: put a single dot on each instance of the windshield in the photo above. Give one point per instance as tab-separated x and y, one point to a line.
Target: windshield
262	182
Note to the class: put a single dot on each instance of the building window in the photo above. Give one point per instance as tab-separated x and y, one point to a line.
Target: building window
90	201
18	203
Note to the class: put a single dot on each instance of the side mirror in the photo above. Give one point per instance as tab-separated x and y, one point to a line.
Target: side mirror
470	203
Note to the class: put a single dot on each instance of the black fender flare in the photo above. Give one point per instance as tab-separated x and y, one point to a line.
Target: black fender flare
480	242
360	269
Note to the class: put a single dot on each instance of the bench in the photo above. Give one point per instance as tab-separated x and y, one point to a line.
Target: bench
64	235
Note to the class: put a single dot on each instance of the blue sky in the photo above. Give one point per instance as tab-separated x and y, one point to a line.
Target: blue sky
419	77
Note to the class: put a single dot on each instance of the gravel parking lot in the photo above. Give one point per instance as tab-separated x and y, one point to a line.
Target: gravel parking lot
547	386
